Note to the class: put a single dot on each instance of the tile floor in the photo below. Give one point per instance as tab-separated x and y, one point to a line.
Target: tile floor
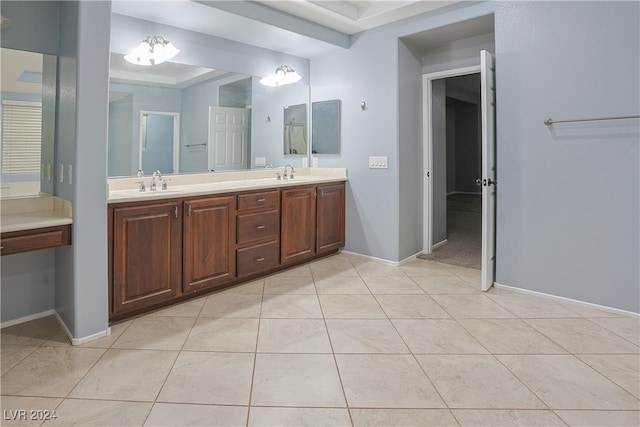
342	341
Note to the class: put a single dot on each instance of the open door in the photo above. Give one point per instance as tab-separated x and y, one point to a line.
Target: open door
488	106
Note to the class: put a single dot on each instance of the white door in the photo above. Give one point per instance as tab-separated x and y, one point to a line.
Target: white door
228	138
488	101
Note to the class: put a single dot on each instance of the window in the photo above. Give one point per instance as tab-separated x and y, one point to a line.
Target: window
21	137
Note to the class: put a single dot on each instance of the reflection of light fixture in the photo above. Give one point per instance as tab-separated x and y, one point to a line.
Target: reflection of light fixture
153	50
284	75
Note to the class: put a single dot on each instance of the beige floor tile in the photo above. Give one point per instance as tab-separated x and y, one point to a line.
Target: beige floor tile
341	285
106	342
586	310
564	382
296	380
289	285
301	270
255	287
402	417
355	259
411	307
392	285
223	334
386	381
189	308
32	333
470	381
420	267
582	336
474	281
532	307
507	418
510	336
601	418
379	268
27	411
10	356
209	378
50	371
329	267
626	327
293	336
476	306
291	306
155	333
73	412
232	305
182	414
462	271
298	417
364	336
622	369
444	285
145	371
437	336
350	307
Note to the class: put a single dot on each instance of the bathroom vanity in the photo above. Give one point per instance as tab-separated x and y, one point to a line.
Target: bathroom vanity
210	231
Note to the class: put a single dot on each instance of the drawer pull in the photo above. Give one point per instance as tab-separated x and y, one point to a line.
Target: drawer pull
261	227
262	199
259	259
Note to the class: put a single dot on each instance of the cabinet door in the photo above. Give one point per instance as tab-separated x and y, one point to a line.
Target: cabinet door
147	255
297	238
208	242
330	218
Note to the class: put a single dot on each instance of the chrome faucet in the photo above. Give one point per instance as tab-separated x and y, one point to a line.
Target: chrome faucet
140	183
154	185
284	174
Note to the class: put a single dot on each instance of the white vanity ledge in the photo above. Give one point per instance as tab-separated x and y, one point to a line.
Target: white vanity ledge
126	189
34	212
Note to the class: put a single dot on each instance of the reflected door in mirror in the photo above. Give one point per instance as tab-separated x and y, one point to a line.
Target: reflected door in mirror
159	142
325	127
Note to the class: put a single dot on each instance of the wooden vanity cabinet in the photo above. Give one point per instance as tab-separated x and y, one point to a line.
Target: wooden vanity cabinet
312	221
258	232
330	218
208	242
147	255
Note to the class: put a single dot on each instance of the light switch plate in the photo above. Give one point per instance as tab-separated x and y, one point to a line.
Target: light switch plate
61	172
305	162
70	174
261	161
315	162
378	162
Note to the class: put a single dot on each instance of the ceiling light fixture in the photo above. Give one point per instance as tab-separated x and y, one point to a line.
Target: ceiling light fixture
152	51
284	76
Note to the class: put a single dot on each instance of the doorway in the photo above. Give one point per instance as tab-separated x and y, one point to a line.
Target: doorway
436	189
159	141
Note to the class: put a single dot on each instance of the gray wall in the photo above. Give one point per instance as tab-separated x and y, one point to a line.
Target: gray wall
568	195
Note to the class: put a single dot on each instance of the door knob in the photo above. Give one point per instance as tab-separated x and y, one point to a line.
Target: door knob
485	182
478	182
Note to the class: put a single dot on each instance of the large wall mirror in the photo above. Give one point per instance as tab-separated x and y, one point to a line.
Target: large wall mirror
325	125
28	111
223	120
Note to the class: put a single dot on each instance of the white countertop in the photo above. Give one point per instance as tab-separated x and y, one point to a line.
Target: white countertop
126	189
34	212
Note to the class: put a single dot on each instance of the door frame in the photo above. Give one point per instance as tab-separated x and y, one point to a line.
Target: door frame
427	147
176	137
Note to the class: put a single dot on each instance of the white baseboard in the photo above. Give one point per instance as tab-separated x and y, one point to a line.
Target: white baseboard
437	245
27	318
74	341
569	300
386	261
464	192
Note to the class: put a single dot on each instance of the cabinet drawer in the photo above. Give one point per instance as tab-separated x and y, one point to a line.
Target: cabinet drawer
265	199
31	240
257	258
259	226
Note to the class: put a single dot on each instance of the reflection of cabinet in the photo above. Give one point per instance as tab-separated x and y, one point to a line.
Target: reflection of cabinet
208	242
147	255
258	232
312	221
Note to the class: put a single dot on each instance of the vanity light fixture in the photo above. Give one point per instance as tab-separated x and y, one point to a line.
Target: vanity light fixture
284	75
153	50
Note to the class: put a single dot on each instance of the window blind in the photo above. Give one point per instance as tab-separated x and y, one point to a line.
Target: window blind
21	137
